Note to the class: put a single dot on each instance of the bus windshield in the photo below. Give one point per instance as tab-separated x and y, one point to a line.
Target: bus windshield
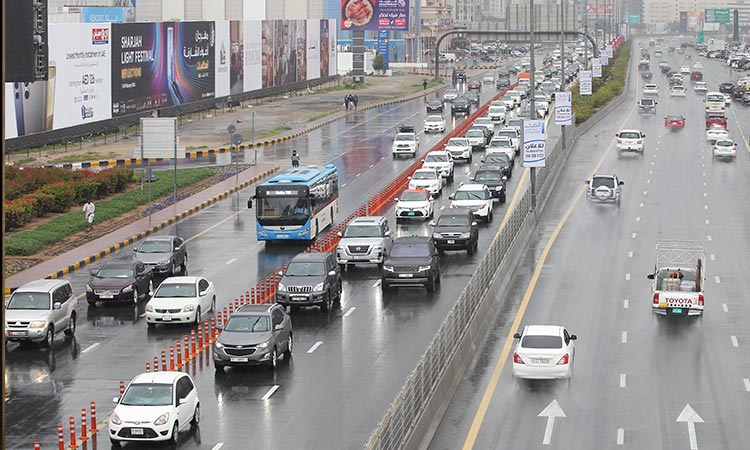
283	210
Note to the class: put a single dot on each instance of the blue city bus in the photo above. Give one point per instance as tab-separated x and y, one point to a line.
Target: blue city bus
296	204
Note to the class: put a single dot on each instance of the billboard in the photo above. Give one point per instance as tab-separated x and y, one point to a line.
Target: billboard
313	49
222	58
375	15
534	143
102	14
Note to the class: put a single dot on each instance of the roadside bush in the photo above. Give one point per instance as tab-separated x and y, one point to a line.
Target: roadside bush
63	193
17	213
85	191
609	86
42	202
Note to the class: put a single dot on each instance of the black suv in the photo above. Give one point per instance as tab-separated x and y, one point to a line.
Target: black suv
435	105
413	260
726	88
492	177
459	74
310	279
505	162
461	105
254	335
456	229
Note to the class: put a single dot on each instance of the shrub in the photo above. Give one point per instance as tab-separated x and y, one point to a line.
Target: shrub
85	191
17	213
63	193
42	202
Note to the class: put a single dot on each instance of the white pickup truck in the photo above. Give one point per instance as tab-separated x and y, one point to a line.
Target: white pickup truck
679	278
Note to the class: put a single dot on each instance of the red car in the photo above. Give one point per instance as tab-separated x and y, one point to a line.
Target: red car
716	119
696	76
674	122
474	86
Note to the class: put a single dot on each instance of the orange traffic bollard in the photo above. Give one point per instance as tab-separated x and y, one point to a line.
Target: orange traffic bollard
163	361
93	418
236	304
84	434
156	363
186	340
231	308
247	296
73	443
148	367
36	445
171	358
122	386
178	351
60	437
192	343
207	334
199	346
213	328
225	316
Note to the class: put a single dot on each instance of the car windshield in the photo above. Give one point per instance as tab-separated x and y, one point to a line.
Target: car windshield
500	143
115	272
725	143
474	134
515	123
650	86
483	121
458	142
629	135
404	137
603	181
470	195
175	290
424	175
541	342
248	324
155	247
435	102
306	269
647	102
147	394
410	250
413	197
436	158
434	119
453	221
29	300
359	231
674	117
509	134
497	158
497	109
451	92
487	175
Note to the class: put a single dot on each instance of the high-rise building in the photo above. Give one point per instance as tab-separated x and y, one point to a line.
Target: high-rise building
668	11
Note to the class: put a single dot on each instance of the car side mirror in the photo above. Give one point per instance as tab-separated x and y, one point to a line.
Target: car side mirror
643	135
135	250
94	272
57	305
587	182
505	178
182	401
650	276
621	183
474	224
516	335
202	293
250	203
387	233
573	337
278	327
116	400
332	273
471	178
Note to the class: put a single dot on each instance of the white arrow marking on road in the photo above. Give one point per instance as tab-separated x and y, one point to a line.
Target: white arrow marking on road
627	277
626	304
713	257
689	415
551	412
725	307
623	380
709	238
630	254
717	279
735	342
218	446
624	337
231	261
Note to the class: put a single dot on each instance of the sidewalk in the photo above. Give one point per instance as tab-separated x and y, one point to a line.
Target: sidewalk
107	244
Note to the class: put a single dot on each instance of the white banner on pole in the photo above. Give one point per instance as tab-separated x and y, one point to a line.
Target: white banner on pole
585	82
596	68
604	60
534	143
563	108
610	50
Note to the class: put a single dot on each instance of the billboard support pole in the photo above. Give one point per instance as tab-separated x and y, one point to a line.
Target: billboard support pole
174	199
532	106
562	61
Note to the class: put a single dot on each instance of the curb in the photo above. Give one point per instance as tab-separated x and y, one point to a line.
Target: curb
107	251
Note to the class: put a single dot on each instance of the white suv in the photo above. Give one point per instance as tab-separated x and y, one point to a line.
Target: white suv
434	124
38	310
604	188
630	141
406	142
459	148
513	133
427	179
476	197
501	144
441	161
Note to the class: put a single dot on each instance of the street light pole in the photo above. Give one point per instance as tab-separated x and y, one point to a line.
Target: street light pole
586	32
562	61
532	109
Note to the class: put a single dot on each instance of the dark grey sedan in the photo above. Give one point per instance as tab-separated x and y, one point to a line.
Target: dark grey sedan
163	254
119	281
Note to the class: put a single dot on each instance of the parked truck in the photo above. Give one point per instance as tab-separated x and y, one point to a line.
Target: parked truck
679	278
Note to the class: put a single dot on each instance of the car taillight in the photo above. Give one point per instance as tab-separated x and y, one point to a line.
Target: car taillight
619	141
563	360
656	298
517	359
700	299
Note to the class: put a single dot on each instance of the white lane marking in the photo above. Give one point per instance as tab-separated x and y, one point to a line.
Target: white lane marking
217	446
652	163
704	174
709	238
641	205
645	192
705	194
270	392
704	183
624	337
638	219
705	206
620	436
717	279
650	172
648	181
142	315
350	311
747	384
633	235
627	277
231	261
315	346
707	222
382	158
376	284
357	174
626	303
372	165
343	185
713	257
703	165
725	307
442	207
735	342
630	254
623	380
90	347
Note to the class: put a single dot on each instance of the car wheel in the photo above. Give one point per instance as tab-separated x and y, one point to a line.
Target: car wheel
91	302
380	266
450	177
489	217
470	159
274	360
384	287
136	295
289	346
49	338
197	316
196	416
218	367
213	304
71	330
173	270
343	267
431	285
175	434
394	156
441	251
115	443
470	250
339	289
503	198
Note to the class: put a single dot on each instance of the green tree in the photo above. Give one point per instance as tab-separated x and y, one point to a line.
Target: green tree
378	63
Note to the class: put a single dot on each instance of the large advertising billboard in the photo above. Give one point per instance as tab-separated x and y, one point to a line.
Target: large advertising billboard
375	15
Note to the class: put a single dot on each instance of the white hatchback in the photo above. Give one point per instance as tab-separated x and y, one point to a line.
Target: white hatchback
544	352
155	407
716	133
181	300
685	70
725	148
650	89
428	179
677	91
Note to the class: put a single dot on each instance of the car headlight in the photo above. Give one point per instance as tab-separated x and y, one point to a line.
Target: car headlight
466	235
263	345
436	235
188	308
115	419
161	420
163	263
218	344
149	307
88	288
498	188
423	268
340	248
281	288
128	288
38	324
388	268
319	286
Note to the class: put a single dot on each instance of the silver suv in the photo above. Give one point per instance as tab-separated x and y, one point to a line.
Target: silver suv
365	240
38	310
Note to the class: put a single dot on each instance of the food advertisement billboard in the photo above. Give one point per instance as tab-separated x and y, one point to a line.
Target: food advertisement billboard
375	15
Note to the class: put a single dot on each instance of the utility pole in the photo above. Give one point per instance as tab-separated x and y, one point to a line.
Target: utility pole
532	108
562	62
586	32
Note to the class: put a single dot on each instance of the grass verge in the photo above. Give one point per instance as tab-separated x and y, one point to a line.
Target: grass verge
88	156
275	131
323	114
29	242
609	86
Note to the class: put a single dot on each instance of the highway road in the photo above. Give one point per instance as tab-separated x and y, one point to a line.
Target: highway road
330	395
586	269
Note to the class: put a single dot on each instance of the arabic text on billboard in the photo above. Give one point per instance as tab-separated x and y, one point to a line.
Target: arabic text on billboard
99	14
563	108
375	15
534	143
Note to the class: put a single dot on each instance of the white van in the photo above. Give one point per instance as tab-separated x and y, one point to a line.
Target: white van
715	102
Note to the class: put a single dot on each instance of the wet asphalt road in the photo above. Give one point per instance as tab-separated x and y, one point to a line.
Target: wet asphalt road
368	347
634	374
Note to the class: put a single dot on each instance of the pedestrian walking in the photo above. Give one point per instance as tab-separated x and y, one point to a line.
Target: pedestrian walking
424	85
295	159
88	211
355	100
346	101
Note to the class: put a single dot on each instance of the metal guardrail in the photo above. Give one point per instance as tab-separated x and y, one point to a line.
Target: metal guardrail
395	429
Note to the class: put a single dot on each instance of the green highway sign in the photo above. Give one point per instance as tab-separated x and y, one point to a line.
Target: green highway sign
717	15
701	37
632	19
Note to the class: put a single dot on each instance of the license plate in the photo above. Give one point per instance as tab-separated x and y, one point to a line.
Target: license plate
238	360
451	241
676	310
540	360
17	333
136	431
299	298
410	213
406	275
166	318
282	236
106	296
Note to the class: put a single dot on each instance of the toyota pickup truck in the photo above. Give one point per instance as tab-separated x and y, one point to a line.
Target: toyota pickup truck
679	278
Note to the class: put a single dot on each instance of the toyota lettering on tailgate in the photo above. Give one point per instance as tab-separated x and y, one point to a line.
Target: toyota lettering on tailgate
677	301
